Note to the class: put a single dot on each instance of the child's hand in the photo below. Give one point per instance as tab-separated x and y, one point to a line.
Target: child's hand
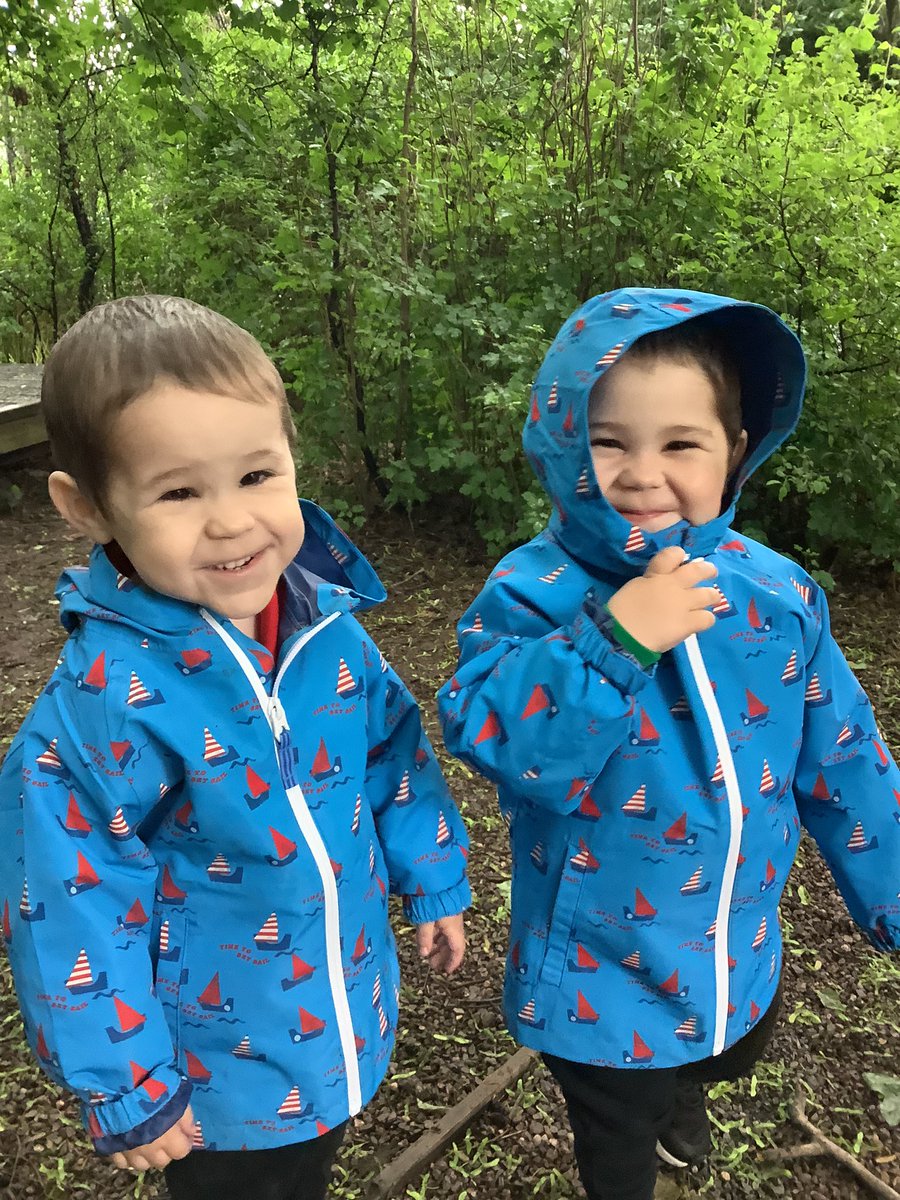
176	1142
442	942
664	605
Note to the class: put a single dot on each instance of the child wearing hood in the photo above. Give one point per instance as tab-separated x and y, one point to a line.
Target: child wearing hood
202	815
662	706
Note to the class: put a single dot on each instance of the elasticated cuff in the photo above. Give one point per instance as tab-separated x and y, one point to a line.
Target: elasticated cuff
597	648
419	910
133	1120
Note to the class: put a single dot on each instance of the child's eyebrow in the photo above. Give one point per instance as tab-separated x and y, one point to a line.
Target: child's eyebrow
669	431
261	455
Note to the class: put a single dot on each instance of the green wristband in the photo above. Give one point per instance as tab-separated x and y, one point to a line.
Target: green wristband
638	651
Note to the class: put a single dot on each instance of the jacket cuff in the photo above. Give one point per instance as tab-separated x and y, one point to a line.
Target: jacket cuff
123	1124
420	910
594	641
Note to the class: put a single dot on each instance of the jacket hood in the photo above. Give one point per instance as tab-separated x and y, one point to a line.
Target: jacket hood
328	575
772	372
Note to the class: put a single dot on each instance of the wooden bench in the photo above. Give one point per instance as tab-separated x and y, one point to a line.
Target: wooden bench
21	424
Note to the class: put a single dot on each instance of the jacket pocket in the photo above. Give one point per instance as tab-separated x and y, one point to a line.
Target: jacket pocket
562	918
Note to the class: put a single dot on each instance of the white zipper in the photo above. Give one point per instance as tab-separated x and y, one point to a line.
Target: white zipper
278	723
736	822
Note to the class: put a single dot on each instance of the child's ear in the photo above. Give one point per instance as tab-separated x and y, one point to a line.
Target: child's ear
80	513
737	454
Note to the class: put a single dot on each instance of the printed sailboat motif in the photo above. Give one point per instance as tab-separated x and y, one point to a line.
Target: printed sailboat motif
81	978
790	674
643	910
640	1052
681	710
267	937
84	879
257	790
677	834
49	762
219	871
190	662
357	809
693	886
444	836
405	795
583	962
214	753
669	987
362	948
760	935
185	820
244	1050
539	857
584	861
637	805
323	767
769	783
527	1017
76	824
300	972
633	963
820	791
196	1071
130	1022
347	686
755	710
285	849
814	696
769	879
646	733
310	1027
858	843
27	911
688	1031
583	1013
94	680
119	827
292	1108
210	999
167	951
139	696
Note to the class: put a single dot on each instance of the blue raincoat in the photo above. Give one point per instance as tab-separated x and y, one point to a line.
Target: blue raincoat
196	847
655	813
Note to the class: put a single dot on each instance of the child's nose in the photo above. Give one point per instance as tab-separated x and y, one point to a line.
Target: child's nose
228	519
642	471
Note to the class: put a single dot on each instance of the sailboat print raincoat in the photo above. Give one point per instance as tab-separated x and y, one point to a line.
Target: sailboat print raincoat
655	814
196	847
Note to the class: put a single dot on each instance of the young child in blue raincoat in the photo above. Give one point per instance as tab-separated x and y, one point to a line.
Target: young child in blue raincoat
662	705
204	812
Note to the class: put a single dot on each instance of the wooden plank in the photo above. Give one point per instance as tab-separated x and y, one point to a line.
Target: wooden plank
20	434
21	424
417	1158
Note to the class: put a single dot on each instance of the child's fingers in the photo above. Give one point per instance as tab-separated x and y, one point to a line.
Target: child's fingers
695	571
666	562
702	597
425	939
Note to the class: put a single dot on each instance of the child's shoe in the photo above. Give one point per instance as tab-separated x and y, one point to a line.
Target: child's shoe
687	1141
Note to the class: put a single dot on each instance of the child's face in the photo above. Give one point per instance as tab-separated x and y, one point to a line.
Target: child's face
202	498
660	451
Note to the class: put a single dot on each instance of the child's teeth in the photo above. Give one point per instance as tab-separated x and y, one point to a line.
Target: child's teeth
238	562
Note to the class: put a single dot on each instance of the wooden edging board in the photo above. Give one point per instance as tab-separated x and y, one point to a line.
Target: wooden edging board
417	1158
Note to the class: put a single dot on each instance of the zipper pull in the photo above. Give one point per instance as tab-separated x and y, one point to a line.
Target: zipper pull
277	718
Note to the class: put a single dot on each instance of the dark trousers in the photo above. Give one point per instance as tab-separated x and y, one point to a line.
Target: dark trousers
297	1172
617	1115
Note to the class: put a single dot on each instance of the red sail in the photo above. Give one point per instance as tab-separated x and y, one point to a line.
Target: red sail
169	888
195	1068
86	873
641	1049
96	676
255	785
585	959
671	984
136	914
678	831
536	703
755	706
283	845
211	993
584	1009
648	729
321	762
74	818
309	1023
642	905
129	1018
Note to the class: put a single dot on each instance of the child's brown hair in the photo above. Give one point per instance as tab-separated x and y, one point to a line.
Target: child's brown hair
119	351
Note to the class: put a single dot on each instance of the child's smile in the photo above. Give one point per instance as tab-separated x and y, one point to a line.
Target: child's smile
660	451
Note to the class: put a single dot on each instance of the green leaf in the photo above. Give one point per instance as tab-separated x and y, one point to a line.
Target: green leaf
888	1087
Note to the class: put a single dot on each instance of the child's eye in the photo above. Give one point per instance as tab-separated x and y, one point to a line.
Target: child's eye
605	443
252	478
178	494
681	446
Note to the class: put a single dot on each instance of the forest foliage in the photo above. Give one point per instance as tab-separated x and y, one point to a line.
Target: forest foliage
404	198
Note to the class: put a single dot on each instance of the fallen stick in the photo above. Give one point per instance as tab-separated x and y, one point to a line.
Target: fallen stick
417	1158
824	1145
